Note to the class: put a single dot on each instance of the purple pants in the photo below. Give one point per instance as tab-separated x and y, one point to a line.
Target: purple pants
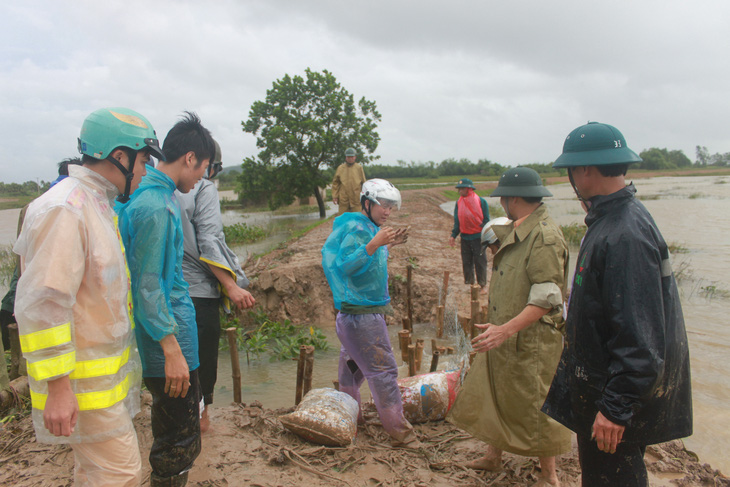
366	354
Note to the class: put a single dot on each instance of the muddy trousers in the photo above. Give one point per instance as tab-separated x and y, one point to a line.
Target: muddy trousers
115	461
626	467
366	354
176	432
473	260
207	315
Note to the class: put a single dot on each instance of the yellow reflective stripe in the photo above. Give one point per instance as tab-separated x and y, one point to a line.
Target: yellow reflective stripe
100	366
130	305
90	400
220	266
61	365
50	337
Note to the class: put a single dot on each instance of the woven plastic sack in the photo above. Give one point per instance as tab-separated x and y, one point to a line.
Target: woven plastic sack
324	416
428	397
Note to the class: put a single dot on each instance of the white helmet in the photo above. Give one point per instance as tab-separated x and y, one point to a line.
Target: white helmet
488	236
380	190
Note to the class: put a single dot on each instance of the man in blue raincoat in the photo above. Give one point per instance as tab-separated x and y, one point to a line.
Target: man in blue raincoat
355	261
167	334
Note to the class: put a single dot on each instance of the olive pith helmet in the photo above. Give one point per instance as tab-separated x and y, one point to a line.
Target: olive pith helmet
109	128
350	152
521	181
465	183
216	164
595	144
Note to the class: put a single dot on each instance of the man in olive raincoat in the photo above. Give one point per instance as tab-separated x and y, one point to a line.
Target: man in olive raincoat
623	381
500	400
347	183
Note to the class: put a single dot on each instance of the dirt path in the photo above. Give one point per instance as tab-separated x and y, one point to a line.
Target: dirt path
248	445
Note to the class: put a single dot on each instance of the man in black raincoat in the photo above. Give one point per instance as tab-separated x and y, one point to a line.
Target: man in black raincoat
623	381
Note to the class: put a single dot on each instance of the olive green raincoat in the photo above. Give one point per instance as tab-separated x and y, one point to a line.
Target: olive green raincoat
501	397
346	187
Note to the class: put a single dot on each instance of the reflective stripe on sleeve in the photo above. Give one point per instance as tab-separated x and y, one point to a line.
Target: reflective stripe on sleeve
90	400
100	366
60	365
50	337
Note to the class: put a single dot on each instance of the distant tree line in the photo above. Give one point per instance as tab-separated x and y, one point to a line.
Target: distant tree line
447	167
28	188
705	159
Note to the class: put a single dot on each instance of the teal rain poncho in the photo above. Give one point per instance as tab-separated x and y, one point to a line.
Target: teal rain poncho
152	233
355	277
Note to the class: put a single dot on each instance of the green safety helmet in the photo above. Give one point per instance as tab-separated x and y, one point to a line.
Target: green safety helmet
216	165
521	181
465	183
595	144
350	152
109	128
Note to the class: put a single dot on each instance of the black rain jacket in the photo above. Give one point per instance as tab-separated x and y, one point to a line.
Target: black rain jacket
626	352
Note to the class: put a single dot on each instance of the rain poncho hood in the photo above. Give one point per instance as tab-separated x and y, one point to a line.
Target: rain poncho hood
151	228
205	242
74	307
626	352
355	277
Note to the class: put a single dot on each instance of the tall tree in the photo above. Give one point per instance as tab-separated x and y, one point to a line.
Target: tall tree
303	127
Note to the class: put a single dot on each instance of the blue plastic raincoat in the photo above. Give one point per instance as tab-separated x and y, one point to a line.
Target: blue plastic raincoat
355	277
152	233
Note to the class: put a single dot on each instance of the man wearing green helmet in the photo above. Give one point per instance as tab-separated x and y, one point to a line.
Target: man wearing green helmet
522	340
471	213
74	307
347	183
623	381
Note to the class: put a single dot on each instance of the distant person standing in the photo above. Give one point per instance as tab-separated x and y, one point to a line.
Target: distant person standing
623	381
212	271
471	213
347	183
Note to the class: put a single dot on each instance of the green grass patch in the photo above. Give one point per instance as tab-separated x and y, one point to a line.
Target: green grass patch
645	197
15	202
8	260
694	196
280	340
241	233
676	248
573	233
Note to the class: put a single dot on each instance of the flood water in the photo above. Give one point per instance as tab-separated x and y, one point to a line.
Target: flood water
691	212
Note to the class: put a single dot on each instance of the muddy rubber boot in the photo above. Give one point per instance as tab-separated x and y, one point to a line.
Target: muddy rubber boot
179	480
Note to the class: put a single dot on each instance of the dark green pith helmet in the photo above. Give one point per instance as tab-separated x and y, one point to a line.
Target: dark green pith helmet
521	181
595	144
465	183
350	152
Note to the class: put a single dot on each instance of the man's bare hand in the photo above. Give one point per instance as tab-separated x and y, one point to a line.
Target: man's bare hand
62	407
385	236
177	374
606	433
492	337
336	201
452	241
401	236
240	298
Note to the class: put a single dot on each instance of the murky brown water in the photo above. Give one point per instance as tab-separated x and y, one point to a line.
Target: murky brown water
692	212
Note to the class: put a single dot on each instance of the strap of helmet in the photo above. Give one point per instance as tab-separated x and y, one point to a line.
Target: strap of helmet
577	193
128	172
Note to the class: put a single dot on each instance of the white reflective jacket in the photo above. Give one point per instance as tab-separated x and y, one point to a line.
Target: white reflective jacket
74	307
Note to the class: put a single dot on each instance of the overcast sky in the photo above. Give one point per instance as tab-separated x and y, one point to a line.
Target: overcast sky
506	80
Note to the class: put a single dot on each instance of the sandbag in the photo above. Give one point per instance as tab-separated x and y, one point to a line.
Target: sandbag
324	416
428	397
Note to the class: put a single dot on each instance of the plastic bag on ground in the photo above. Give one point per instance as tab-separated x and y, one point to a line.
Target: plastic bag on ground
428	397
325	416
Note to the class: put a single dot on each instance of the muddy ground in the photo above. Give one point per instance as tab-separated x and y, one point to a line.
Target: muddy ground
247	445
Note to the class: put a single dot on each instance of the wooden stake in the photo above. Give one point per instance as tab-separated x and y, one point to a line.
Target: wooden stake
336	384
411	360
435	360
445	288
420	343
308	370
407	324
449	350
404	339
471	357
464	322
235	366
441	350
434	345
475	292
476	314
440	321
300	375
17	361
409	300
